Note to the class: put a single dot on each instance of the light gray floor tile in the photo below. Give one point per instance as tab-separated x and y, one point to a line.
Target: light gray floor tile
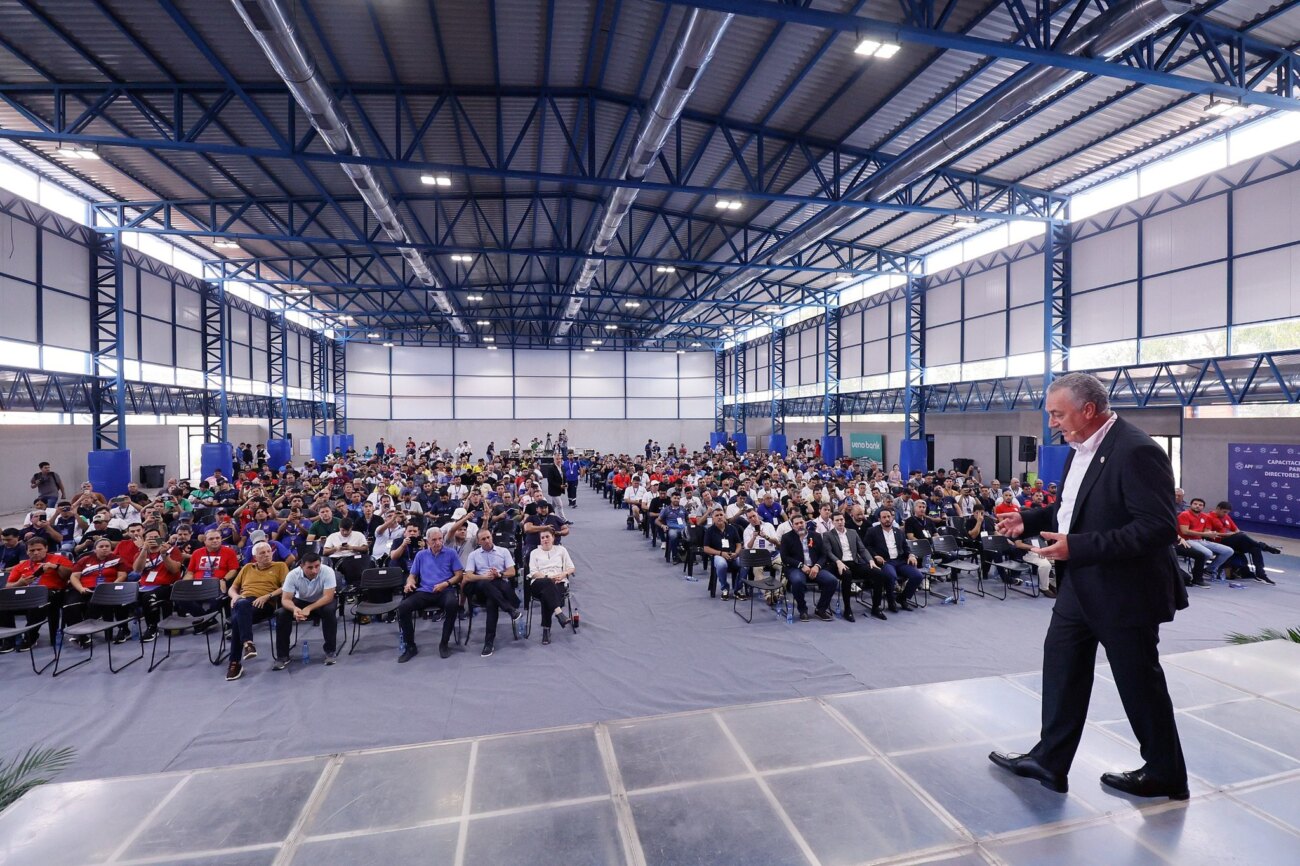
791	735
258	857
230	809
579	835
1282	801
1218	757
902	719
654	752
721	823
432	845
537	768
1265	668
859	811
1217	833
36	829
402	788
990	705
1105	843
1259	721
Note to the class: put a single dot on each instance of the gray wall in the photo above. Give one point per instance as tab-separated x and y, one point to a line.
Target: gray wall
616	436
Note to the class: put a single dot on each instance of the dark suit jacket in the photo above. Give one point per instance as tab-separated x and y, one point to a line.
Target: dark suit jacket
876	543
1121	569
831	542
554	479
792	555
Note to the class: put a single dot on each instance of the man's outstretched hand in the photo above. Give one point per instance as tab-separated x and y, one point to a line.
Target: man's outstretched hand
1011	524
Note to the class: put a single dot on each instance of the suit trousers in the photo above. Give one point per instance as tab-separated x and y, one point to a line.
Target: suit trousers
1069	657
867	575
799	586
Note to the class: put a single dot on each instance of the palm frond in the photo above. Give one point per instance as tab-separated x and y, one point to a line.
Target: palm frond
1291	634
35	767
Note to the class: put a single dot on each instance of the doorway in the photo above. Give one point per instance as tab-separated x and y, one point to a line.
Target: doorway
191	453
1002	469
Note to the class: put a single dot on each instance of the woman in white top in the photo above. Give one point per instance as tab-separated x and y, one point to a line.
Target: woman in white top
549	569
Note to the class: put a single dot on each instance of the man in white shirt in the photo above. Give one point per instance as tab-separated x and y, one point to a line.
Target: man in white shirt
348	552
122	514
308	592
389	533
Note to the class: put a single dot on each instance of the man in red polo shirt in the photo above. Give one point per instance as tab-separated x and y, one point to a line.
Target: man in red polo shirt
1228	533
46	569
102	566
1008	505
159	566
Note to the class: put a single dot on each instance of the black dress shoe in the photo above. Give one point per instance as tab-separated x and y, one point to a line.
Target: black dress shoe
893	606
878	614
906	604
848	614
444	651
1269	548
1140	783
1027	766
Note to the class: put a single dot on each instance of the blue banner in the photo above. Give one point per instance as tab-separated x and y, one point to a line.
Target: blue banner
1264	482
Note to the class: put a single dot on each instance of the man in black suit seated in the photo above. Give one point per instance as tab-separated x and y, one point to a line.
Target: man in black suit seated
1111	533
891	552
805	560
850	561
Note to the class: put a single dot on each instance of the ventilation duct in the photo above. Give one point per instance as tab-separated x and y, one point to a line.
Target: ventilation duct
273	28
696	41
1107	35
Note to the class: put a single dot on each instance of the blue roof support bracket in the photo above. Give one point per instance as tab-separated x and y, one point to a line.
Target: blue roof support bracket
777	357
738	388
107	350
831	374
1056	309
339	384
214	315
320	384
720	391
279	402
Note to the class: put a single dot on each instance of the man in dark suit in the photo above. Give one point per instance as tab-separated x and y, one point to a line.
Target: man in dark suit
804	559
850	561
1111	533
890	551
553	475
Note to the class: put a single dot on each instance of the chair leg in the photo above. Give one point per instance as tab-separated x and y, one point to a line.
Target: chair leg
31	654
154	661
133	660
58	654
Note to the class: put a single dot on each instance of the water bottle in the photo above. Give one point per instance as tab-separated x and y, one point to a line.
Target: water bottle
401	643
1235	585
837	605
306	651
58	641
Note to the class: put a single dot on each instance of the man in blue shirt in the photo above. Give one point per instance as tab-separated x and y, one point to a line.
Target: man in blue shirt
488	571
433	582
672	522
769	510
572	471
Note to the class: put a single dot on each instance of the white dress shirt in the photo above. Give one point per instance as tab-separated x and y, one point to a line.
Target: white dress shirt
846	552
1083	454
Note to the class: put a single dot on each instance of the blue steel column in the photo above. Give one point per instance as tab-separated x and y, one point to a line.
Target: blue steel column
213	318
319	382
719	390
1056	308
914	355
831	373
108	357
338	380
777	355
738	380
278	403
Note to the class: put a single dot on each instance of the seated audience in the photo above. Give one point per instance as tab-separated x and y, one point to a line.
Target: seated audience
549	570
253	599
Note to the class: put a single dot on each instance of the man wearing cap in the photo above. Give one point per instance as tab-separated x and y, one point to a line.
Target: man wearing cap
280	552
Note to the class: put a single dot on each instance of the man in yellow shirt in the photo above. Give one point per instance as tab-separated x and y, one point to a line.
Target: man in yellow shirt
254	596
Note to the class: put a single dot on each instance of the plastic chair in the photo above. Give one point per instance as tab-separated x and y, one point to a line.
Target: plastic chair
958	560
1002	553
195	592
568	604
119	601
26	600
390	579
755	559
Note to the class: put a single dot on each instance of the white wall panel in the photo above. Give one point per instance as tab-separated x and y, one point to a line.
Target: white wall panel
943	303
485	386
791	375
156	296
1190	300
131	336
422	386
69	327
239	361
1185	236
17	248
65	264
368	407
652	408
428	360
433	408
542	386
695	364
897	317
484	407
367	383
943	345
875	358
1104	259
850	361
597	388
239	327
876	322
596	364
985	337
810	369
696	407
897	353
130	287
1104	316
695	387
600	408
482	362
1266	286
1027	280
188	313
652	388
851	329
542	407
189	349
1266	214
1027	329
986	292
366	358
542	362
261	372
19	319
156	338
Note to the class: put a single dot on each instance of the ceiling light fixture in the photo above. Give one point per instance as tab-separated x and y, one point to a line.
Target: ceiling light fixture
491	348
696	345
435	179
727	204
588	350
876	48
489	339
772	308
597	342
681	351
389	345
1223	106
374	335
665	269
483	322
225	245
76	151
461	257
631	305
844	278
965	219
473	297
611	327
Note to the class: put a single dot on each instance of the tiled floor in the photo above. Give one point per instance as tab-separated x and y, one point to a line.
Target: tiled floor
897	775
